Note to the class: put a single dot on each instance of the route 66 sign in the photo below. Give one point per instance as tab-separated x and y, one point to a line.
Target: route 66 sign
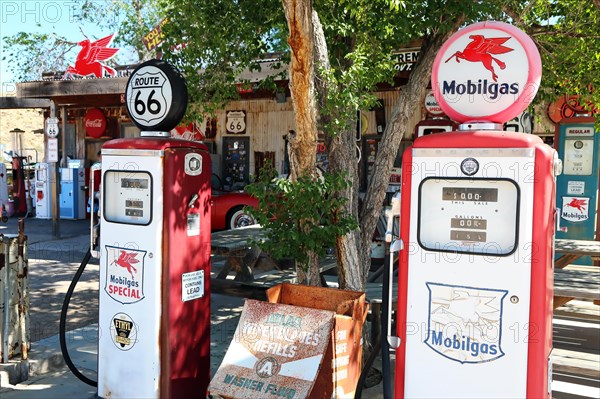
52	127
156	96
236	122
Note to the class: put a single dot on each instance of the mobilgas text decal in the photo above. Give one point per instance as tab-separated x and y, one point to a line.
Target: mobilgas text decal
575	209
124	274
465	323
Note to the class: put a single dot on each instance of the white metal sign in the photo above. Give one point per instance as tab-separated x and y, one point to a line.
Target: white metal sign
575	187
192	285
579	131
149	95
575	209
156	97
491	64
52	155
52	127
236	122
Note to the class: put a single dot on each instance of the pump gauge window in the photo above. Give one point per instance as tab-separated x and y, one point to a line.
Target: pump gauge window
477	216
127	197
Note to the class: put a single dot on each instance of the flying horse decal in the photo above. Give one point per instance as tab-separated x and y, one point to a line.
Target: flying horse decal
481	50
89	57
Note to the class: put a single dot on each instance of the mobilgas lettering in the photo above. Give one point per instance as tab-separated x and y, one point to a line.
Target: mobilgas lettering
463	344
124	281
482	87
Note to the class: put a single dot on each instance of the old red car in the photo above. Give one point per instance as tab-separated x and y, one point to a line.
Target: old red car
228	208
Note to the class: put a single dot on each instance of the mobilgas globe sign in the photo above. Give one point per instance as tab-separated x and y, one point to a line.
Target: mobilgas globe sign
486	72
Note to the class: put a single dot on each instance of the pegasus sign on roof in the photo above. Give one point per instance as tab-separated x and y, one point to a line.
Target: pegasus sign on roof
486	72
88	61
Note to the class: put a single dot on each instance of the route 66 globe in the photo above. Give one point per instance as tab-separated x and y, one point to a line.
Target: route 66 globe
156	96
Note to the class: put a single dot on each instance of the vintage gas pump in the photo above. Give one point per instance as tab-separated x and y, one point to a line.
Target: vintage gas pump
154	250
578	146
475	274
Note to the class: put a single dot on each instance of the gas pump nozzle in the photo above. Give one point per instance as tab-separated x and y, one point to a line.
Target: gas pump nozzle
94	224
391	214
390	341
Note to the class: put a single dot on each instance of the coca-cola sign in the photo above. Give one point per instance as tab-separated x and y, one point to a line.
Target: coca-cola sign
95	123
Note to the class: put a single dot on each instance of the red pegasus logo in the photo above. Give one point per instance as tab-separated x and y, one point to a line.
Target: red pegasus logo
88	59
481	50
127	260
578	204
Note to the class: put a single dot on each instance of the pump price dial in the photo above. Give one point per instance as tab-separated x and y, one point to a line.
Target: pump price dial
468	215
470	194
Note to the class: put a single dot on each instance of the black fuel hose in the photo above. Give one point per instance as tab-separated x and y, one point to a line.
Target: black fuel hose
63	322
367	367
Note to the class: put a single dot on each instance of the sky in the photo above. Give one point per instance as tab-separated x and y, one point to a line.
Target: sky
51	16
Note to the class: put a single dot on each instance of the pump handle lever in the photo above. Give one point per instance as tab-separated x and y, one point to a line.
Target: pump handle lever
94	228
193	200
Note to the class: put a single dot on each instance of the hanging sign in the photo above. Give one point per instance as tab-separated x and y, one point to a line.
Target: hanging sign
486	72
95	123
156	96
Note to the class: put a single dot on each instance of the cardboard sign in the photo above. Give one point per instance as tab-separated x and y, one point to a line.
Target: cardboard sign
276	352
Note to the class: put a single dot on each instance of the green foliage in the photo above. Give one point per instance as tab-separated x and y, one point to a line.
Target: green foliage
566	33
299	216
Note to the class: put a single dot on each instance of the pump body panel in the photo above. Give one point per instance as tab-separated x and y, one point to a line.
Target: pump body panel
475	274
154	269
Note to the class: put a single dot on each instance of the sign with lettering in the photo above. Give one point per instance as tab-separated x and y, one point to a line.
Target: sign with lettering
406	58
276	352
236	122
95	122
192	285
52	154
155	37
156	96
52	127
125	274
487	72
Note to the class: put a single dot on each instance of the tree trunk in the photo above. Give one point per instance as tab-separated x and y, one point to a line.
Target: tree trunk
409	100
341	150
303	141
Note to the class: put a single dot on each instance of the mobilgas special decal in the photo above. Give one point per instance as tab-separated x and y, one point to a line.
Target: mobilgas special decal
123	331
465	323
124	274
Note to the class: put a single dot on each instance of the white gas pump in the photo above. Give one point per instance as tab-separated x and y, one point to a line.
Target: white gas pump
154	249
475	275
42	191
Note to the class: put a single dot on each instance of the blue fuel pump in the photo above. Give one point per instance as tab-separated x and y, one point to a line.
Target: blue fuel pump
578	146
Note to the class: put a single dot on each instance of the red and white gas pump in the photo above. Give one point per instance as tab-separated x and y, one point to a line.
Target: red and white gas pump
154	316
477	223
